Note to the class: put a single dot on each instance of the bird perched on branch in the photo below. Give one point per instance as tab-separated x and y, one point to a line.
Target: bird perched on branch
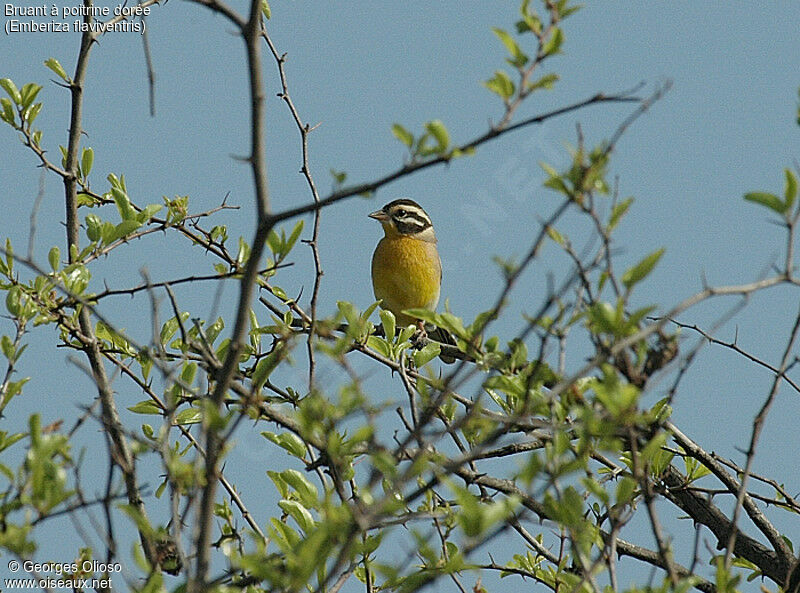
406	269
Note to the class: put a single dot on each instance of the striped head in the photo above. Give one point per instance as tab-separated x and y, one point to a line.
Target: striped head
405	218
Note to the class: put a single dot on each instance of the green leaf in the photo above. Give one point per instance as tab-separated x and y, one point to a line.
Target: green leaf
123	229
339	177
9	255
14	301
618	212
501	85
771	201
403	135
54	258
87	159
556	236
7	113
147	406
148	212
530	21
553	45
288	441
790	191
7	346
188	416
56	67
94	227
389	324
518	57
170	327
77	278
298	228
299	513
189	372
266	10
306	490
29	115
126	210
426	354
213	330
243	252
545	82
640	271
439	132
28	94
265	367
9	87
626	488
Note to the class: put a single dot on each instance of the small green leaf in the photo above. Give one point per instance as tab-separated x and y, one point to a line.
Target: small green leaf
14	301
188	416
298	228
148	212
126	210
94	227
147	406
389	324
30	114
10	88
123	229
426	354
288	441
403	135
56	67
170	327
790	191
266	10
77	278
545	82
626	488
7	112
265	367
299	513
243	252
28	94
274	243
189	372
9	255
771	201
553	44
339	177
381	346
638	272
518	57
87	159
439	132
501	85
618	212
54	258
530	20
556	236
306	490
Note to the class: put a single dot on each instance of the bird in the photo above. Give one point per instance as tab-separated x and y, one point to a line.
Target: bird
406	268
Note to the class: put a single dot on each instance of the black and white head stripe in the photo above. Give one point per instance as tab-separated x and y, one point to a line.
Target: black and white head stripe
409	218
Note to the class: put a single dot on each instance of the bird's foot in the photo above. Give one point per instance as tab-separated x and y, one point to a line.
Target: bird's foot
420	338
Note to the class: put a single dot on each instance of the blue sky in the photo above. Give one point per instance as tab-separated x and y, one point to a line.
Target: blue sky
725	128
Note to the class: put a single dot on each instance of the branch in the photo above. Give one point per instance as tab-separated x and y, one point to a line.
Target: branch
414	166
120	451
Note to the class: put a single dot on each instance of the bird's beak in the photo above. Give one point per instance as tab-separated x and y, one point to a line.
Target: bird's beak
379	215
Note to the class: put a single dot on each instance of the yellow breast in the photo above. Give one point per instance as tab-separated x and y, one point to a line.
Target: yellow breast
406	274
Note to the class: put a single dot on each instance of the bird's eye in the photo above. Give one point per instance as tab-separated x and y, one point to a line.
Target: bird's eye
401	213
